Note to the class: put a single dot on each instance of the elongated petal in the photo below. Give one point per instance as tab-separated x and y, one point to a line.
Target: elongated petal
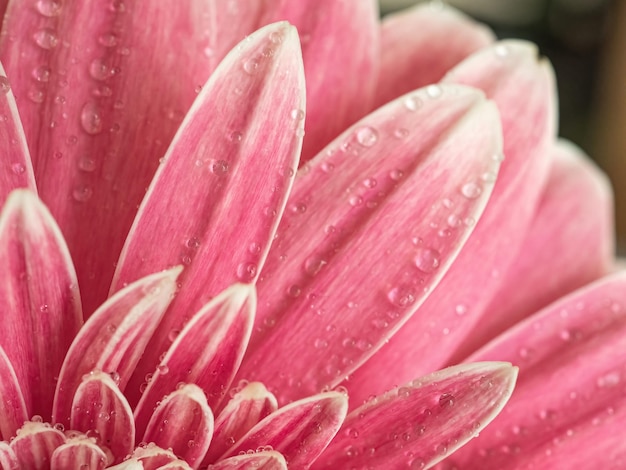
420	45
266	460
34	445
96	118
8	459
114	338
300	431
228	175
207	352
340	48
419	424
569	244
41	311
17	171
183	423
242	412
80	454
338	281
522	87
99	408
569	405
13	413
151	456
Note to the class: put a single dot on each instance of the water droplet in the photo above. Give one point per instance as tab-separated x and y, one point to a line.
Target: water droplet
82	193
608	380
446	399
320	343
427	260
91	118
401	296
251	66
367	136
46	38
396	175
5	86
471	190
192	243
163	369
294	291
36	96
327	167
246	271
297	114
49	8
99	70
355	200
370	183
235	136
18	168
501	50
412	103
87	164
108	40
314	264
401	133
219	167
460	309
434	91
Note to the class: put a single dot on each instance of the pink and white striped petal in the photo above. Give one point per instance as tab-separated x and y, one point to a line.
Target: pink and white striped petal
41	311
114	338
152	457
569	405
569	244
300	431
183	423
207	352
17	169
13	413
35	443
264	460
243	411
130	464
100	410
79	454
178	465
96	118
422	422
420	45
523	89
8	459
227	189
338	281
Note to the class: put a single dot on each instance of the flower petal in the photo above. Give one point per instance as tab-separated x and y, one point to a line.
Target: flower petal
421	44
34	445
242	412
575	212
13	413
152	457
523	89
265	460
95	117
8	459
79	454
178	465
569	406
227	189
41	310
300	431
183	423
99	409
207	352
419	424
114	338
338	281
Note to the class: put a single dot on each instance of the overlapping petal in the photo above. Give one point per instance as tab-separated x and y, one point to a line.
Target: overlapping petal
264	460
79	453
13	412
35	444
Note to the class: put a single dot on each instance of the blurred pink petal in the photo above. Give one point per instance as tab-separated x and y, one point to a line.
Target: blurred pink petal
13	411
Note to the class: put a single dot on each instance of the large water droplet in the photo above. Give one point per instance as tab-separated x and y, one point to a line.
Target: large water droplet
427	260
99	70
314	264
251	66
401	296
412	103
246	271
91	118
46	38
367	136
82	193
434	91
219	167
471	190
49	8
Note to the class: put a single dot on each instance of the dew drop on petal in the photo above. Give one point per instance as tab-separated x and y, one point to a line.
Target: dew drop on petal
219	167
471	190
246	271
82	193
501	50
367	136
5	86
46	38
49	8
18	168
427	260
297	114
401	296
87	164
412	103
91	118
99	70
434	91
251	66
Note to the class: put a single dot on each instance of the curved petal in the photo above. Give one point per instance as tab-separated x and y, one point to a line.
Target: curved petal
227	176
569	406
152	457
95	117
300	431
419	46
422	422
13	413
114	338
338	280
35	444
8	459
523	89
264	460
41	311
80	454
206	353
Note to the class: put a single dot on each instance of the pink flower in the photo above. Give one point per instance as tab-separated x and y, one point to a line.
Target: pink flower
236	312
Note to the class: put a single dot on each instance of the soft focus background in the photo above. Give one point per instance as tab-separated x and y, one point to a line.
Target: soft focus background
586	42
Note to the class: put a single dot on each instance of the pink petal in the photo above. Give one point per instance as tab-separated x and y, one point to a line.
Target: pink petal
242	412
183	423
207	352
265	460
569	244
338	280
569	406
227	190
34	445
152	457
300	431
340	48
95	117
522	87
17	171
178	465
41	312
422	422
130	464
8	459
114	338
79	454
13	413
100	410
419	46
